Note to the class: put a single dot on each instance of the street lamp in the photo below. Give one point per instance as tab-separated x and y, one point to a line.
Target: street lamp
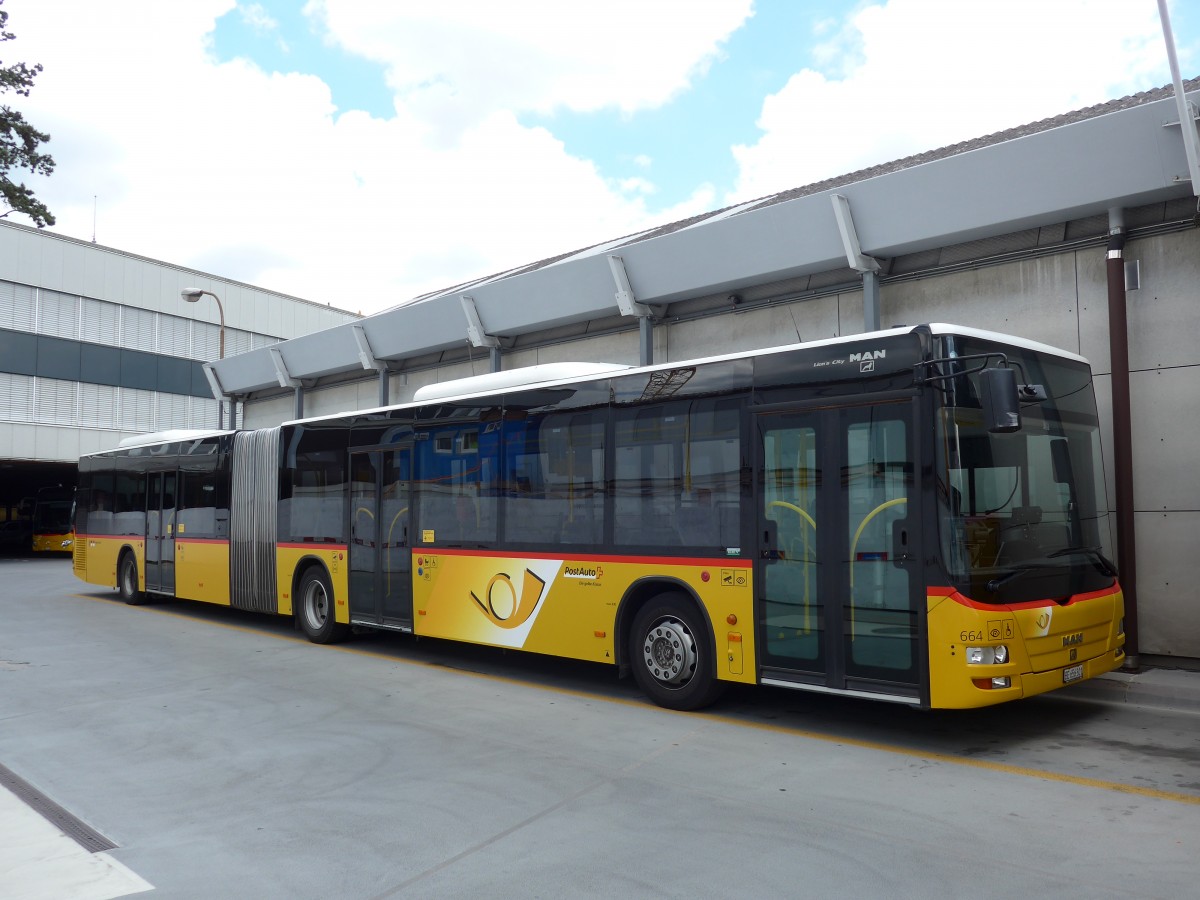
193	295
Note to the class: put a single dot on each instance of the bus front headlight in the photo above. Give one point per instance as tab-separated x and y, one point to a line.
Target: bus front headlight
987	656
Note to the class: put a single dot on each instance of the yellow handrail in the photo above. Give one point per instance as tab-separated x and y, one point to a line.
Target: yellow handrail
795	509
807	563
854	550
388	558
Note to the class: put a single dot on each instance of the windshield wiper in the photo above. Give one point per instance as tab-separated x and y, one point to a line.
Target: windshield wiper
1104	564
994	584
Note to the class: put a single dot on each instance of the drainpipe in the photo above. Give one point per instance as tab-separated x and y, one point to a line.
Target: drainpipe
1118	348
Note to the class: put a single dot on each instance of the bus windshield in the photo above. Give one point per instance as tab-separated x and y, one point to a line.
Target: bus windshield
1023	515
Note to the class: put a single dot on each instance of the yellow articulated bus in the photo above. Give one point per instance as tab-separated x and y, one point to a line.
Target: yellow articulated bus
914	515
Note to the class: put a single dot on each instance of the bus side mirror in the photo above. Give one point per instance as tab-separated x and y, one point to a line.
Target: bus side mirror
1001	408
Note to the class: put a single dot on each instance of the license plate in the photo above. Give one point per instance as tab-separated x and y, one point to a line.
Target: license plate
1072	673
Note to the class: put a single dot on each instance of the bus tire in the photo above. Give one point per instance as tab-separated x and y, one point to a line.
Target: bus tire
316	609
671	655
127	580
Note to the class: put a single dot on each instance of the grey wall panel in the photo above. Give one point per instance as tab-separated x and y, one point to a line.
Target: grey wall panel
757	328
1168	592
1091	283
1032	298
1166	412
1164	315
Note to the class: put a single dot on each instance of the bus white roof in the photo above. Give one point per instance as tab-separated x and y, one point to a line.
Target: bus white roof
528	375
482	385
1001	338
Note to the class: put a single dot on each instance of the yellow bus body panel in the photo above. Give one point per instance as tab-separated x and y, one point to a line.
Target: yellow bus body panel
99	555
289	557
1049	645
567	606
202	571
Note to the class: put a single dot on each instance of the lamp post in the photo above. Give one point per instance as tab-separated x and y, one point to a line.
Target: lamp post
193	295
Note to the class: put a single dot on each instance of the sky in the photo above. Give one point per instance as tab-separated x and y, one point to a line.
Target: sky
365	152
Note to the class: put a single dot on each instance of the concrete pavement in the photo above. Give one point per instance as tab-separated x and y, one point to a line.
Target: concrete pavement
42	863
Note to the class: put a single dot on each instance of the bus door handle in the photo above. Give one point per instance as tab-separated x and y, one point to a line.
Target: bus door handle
770	549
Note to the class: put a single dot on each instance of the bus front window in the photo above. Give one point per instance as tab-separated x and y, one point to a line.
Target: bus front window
1023	515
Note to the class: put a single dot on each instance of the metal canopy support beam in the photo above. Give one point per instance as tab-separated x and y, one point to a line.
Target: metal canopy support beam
1187	114
281	369
867	266
218	393
476	335
629	306
871	301
286	380
369	361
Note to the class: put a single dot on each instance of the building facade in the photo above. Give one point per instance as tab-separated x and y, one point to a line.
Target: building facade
97	345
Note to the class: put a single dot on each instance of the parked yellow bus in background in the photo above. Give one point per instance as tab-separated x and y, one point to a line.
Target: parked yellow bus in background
52	529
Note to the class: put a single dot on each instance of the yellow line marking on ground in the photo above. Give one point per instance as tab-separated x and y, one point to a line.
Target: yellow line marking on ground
988	765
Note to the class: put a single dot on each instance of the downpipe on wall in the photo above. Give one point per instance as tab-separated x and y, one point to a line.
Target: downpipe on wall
1118	348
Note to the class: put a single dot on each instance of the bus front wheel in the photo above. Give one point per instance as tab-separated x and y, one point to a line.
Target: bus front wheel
127	580
316	615
671	655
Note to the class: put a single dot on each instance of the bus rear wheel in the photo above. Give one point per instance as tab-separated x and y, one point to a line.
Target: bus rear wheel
127	580
315	611
671	656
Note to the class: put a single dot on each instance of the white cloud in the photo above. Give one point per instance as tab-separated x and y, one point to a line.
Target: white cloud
479	55
914	75
254	15
257	177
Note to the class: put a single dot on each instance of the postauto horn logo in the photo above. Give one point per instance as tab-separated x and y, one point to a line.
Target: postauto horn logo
504	605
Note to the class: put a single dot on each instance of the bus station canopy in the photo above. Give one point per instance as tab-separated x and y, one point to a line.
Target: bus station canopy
1003	192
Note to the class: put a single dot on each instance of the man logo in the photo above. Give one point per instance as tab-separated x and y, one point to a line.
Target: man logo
866	359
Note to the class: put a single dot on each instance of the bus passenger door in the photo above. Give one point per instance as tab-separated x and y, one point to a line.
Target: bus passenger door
380	555
160	532
395	547
879	572
838	569
793	533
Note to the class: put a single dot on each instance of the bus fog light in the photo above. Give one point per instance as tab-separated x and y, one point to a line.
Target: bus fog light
1002	682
